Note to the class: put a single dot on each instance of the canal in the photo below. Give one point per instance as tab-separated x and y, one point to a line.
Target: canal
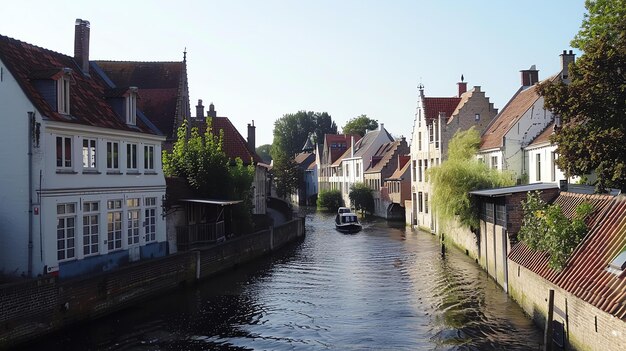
384	288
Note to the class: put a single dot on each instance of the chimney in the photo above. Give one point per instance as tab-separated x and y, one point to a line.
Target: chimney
212	112
199	109
462	86
530	76
251	136
382	126
81	45
566	60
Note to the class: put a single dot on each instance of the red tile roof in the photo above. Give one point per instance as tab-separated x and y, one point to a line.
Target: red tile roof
335	153
233	143
160	87
585	275
435	105
88	106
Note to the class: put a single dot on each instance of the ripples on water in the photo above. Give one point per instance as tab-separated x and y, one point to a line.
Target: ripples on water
380	289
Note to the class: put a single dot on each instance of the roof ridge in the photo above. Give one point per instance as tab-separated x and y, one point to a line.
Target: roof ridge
35	46
126	61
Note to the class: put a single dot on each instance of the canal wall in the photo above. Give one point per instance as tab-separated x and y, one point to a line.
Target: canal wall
586	327
35	307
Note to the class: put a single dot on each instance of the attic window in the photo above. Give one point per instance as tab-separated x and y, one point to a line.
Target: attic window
618	265
63	92
131	106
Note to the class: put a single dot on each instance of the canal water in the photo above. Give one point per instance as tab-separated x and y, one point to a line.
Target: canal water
384	288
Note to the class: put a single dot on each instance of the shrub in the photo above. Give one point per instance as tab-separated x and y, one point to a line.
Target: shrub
330	199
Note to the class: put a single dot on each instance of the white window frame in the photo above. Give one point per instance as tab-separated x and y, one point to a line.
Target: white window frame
538	167
66	231
114	224
133	217
150	213
131	107
63	95
63	155
494	162
148	157
113	155
131	156
91	228
89	153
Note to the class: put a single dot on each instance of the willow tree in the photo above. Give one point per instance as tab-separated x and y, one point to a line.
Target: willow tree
461	173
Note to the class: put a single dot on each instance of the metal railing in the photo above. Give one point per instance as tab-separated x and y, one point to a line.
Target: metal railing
194	235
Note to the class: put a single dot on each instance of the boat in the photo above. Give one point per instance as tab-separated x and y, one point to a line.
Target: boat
341	210
347	222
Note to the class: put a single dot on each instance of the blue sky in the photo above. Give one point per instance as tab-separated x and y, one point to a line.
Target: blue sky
258	60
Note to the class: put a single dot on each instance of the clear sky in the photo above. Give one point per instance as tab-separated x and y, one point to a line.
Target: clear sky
258	60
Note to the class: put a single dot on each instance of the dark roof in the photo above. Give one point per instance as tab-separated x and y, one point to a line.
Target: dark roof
385	153
305	159
496	192
233	143
586	275
88	105
544	136
159	83
435	105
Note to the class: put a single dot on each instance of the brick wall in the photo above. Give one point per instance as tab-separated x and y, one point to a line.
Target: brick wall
587	328
35	307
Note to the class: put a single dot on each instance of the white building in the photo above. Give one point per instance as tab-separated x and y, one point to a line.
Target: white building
82	186
437	119
350	167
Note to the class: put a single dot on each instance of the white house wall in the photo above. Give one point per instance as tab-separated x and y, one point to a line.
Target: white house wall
14	204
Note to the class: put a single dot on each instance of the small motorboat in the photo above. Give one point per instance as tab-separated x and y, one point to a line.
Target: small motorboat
347	222
341	210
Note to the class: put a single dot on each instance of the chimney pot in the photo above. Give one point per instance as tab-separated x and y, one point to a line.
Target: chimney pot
212	112
251	136
200	109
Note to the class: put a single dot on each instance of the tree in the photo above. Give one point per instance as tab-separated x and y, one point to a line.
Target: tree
264	153
458	175
287	175
359	125
330	199
361	197
592	108
545	228
292	130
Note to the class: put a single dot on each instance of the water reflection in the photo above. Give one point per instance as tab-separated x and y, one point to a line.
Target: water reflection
385	288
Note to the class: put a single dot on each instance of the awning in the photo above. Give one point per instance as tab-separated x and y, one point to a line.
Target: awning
513	189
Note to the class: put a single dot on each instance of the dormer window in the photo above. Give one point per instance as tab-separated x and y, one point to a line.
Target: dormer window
63	92
131	106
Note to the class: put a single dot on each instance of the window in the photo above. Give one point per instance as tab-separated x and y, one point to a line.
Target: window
538	167
113	155
148	157
347	170
425	170
553	166
66	229
131	156
419	141
419	201
414	171
63	95
64	152
477	117
114	224
131	107
431	133
500	214
89	153
494	162
132	221
419	170
91	221
426	202
150	218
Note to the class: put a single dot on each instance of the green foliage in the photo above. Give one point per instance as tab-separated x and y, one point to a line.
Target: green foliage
359	125
361	197
458	175
287	176
592	108
292	130
545	228
264	153
330	199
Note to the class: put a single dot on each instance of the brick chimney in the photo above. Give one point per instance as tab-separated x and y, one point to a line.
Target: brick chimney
81	45
212	112
462	86
199	109
530	76
566	59
251	136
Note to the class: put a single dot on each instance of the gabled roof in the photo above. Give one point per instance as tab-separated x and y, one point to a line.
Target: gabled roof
585	275
543	137
399	173
385	153
330	139
88	105
367	141
305	159
233	143
160	85
433	106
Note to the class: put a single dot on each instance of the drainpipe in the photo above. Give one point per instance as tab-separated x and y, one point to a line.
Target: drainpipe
31	124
